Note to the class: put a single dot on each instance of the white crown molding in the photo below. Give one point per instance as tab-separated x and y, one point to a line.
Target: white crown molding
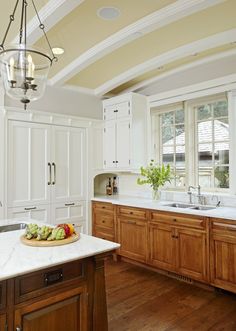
79	89
209	87
170	56
156	20
179	69
50	15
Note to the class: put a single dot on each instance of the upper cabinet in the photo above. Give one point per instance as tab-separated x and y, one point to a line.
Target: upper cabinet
124	138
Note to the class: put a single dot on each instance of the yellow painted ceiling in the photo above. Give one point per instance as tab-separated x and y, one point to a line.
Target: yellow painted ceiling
171	66
82	29
195	27
6	9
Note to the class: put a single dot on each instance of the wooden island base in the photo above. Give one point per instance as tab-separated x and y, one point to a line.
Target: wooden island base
67	297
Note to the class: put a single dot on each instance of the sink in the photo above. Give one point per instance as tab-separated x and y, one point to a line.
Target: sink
203	207
12	227
179	205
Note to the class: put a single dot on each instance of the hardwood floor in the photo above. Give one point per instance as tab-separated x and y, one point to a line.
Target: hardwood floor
142	300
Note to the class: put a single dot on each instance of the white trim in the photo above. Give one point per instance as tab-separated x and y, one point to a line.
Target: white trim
156	20
50	15
210	87
179	69
79	89
170	56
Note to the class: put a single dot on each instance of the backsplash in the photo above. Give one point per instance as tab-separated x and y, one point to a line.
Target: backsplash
127	185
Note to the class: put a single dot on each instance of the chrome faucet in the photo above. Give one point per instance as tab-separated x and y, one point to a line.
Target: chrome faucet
201	198
190	193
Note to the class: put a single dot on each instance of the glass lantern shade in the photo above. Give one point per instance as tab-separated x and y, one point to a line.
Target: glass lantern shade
24	72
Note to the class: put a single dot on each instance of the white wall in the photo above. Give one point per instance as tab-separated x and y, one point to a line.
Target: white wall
64	101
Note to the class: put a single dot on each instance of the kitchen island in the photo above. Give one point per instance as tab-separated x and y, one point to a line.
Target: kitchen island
52	288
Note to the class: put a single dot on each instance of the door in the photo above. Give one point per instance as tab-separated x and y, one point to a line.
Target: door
27	168
192	253
123	143
38	213
3	322
60	313
162	246
109	143
72	212
132	236
223	258
69	164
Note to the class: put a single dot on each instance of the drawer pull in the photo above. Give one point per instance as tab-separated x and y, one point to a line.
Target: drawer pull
131	222
53	277
103	207
175	220
30	208
69	204
131	213
103	221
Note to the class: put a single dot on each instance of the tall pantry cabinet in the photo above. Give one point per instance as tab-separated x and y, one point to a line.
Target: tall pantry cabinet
46	172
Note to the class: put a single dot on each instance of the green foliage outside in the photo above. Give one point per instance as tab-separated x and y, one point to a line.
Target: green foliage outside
155	174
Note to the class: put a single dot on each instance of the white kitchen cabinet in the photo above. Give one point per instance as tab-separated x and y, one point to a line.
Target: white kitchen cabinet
70	212
69	164
38	213
46	172
124	138
28	158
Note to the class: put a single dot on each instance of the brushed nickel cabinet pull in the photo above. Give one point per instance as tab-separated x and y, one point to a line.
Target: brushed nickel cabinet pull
18	329
54	173
50	173
69	204
30	208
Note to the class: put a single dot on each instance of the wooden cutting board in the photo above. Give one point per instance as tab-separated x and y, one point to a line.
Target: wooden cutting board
45	243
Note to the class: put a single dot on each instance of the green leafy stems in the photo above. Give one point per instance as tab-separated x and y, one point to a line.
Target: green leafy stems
156	175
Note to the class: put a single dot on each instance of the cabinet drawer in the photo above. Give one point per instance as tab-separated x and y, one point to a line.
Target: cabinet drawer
43	281
177	219
104	220
132	212
103	234
224	226
103	206
3	295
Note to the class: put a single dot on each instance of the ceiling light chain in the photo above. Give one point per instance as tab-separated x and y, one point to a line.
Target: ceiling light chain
25	69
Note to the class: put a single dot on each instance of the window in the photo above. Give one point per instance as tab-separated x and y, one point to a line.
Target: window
212	128
194	139
172	143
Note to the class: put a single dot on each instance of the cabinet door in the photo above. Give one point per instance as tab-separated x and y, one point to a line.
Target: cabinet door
132	236
223	260
123	143
39	213
72	212
56	313
162	246
109	143
3	322
192	254
69	160
27	168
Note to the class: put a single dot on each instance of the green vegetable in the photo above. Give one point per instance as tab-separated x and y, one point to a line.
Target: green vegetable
44	232
31	231
155	174
57	234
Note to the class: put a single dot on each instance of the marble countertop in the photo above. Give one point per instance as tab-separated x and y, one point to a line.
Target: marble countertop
219	212
17	259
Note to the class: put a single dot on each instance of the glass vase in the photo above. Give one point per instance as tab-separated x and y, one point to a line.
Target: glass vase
156	194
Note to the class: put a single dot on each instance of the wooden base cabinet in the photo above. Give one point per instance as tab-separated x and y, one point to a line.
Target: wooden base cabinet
223	254
132	233
3	322
162	246
192	253
103	221
63	312
178	243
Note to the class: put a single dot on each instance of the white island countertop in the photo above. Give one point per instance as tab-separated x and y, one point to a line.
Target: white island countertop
224	212
18	259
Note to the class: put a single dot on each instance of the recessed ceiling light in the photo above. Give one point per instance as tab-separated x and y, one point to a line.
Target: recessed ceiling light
108	13
58	50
